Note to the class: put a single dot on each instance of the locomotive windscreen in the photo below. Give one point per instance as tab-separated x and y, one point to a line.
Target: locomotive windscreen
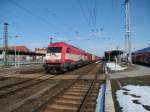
54	50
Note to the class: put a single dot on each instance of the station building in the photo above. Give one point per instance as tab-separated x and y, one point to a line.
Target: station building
113	54
20	54
42	51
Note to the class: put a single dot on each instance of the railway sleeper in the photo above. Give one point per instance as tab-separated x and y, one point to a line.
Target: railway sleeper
73	93
77	87
68	102
92	109
71	97
90	104
60	108
77	90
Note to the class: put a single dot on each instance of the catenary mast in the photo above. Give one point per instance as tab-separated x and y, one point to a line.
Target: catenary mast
127	33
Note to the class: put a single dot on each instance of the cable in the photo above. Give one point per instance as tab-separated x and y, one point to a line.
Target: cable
83	13
89	14
33	14
46	10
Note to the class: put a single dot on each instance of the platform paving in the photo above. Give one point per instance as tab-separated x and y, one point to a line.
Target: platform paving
139	71
109	104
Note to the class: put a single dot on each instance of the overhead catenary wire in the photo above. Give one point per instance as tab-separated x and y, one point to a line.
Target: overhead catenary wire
95	14
89	13
52	26
52	15
83	13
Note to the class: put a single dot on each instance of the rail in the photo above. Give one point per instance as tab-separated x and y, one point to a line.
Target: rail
42	106
82	106
24	87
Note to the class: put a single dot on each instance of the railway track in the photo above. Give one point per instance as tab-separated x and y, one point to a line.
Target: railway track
79	96
38	97
6	76
74	99
3	78
11	89
20	82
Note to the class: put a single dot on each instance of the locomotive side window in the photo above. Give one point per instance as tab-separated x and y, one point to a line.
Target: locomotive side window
68	50
54	50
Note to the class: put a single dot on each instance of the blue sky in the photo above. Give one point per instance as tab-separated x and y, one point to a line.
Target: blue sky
94	28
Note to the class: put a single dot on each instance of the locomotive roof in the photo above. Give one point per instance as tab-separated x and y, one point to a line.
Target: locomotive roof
147	49
63	43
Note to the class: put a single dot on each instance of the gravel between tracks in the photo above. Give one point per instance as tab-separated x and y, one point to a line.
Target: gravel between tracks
32	104
12	100
31	97
24	69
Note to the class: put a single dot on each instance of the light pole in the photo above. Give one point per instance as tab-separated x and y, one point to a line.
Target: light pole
16	53
5	43
18	59
15	57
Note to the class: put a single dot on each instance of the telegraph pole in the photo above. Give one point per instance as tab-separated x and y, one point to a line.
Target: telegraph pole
5	43
128	32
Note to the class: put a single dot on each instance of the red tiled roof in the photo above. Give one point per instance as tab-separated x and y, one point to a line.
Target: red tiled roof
18	48
22	48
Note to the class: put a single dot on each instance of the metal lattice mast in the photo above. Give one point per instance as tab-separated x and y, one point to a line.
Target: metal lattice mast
5	43
128	32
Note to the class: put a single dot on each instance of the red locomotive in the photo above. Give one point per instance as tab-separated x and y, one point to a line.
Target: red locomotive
142	56
63	57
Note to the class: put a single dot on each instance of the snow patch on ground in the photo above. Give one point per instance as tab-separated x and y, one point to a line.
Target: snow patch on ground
133	98
115	67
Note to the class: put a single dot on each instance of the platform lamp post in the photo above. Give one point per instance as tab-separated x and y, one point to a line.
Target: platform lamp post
5	44
18	59
16	52
1	44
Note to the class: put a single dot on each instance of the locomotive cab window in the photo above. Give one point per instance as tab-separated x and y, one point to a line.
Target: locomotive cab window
54	50
68	50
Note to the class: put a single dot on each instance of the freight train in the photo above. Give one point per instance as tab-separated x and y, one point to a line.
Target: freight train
142	56
63	57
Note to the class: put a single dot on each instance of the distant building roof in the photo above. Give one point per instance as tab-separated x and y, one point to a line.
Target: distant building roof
18	48
21	50
41	50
